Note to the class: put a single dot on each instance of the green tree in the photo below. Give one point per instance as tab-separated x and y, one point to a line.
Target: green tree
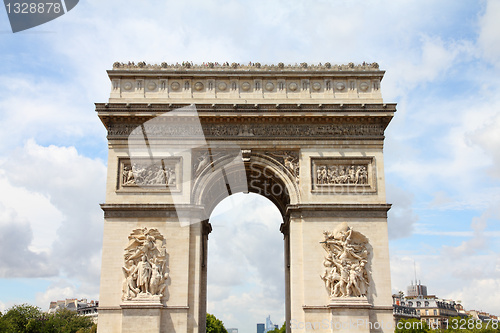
67	321
2	323
214	325
22	318
30	319
411	326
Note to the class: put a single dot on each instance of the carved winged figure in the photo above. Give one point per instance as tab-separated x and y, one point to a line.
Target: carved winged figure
345	262
290	161
145	268
204	160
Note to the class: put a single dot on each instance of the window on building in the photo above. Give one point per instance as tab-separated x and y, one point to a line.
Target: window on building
435	312
419	304
426	312
410	303
426	303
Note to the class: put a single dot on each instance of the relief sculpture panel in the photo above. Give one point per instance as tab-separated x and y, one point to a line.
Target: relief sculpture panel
345	263
145	268
145	174
343	175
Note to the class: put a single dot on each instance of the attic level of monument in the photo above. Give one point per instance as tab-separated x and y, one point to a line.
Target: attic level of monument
248	84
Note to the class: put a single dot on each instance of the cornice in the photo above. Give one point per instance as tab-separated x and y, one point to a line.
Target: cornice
244	121
339	210
149	210
259	107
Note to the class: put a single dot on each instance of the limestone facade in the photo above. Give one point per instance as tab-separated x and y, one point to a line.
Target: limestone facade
184	137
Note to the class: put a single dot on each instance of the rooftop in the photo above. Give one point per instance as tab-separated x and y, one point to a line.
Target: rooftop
256	66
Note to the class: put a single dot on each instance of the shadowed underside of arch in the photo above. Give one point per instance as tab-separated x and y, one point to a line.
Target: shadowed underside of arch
257	174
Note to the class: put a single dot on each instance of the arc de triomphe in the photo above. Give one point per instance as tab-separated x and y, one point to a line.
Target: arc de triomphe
183	137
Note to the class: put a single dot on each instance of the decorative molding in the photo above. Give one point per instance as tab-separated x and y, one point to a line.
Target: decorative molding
148	108
345	265
187	66
343	175
142	174
366	131
361	303
135	306
338	210
125	211
251	82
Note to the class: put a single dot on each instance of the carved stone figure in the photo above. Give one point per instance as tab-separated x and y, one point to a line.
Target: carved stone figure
147	174
345	263
203	160
290	160
341	174
145	269
130	290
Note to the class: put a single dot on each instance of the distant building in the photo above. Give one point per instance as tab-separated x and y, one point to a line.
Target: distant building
232	330
82	307
430	309
481	315
416	289
268	326
401	311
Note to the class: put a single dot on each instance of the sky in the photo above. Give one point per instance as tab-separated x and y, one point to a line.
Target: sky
442	156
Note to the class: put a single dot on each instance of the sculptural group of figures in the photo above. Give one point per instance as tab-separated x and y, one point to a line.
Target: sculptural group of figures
151	174
340	174
145	269
345	263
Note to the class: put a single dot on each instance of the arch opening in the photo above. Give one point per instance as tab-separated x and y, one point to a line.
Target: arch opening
246	271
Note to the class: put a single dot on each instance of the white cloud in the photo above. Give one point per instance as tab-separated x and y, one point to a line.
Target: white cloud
488	138
247	309
246	263
401	217
16	259
42	216
71	186
468	271
489	36
46	109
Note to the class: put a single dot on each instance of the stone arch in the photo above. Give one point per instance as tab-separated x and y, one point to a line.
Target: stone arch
270	142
